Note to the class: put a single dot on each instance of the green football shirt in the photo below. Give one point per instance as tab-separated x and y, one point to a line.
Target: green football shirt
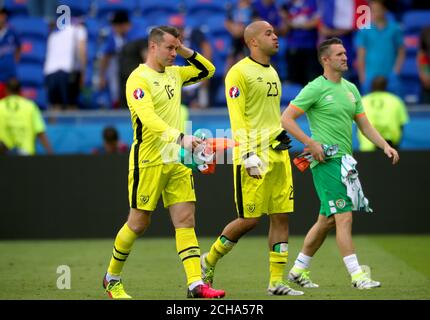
330	108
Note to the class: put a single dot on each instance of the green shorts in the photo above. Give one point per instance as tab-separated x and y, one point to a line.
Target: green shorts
330	188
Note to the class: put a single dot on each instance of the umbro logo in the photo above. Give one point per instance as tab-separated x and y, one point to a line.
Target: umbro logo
259	79
156	84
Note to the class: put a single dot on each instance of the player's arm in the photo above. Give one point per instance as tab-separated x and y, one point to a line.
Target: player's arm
140	101
40	129
289	122
306	98
373	135
199	69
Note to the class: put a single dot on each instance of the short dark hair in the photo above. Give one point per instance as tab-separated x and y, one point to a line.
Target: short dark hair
157	33
119	17
324	47
379	84
110	134
4	11
383	3
13	86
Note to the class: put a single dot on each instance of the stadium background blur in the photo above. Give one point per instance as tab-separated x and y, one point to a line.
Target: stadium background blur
80	131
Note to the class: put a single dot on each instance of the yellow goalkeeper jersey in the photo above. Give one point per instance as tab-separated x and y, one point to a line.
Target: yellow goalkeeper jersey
154	100
253	93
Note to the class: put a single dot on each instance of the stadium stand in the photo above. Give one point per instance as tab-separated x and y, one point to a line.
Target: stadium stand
209	15
78	7
16	8
154	10
104	8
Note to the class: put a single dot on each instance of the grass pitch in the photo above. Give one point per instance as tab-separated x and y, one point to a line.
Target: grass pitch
153	271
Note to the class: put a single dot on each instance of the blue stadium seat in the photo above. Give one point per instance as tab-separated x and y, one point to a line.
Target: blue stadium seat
33	50
411	90
200	10
36	94
409	68
105	8
281	61
78	7
30	27
30	74
221	45
289	92
415	20
16	8
151	8
93	28
215	25
140	27
160	19
410	81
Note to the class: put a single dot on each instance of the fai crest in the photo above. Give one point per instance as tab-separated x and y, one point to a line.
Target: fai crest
144	198
250	207
340	203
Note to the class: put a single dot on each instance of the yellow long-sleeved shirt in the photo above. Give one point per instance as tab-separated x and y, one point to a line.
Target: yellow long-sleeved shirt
253	93
154	100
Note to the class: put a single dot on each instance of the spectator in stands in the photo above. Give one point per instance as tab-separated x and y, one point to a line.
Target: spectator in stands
423	61
21	123
65	64
380	49
46	9
108	65
268	10
339	19
238	17
111	143
9	52
386	112
300	19
129	57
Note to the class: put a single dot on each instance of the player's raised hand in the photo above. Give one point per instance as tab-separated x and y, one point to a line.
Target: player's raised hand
184	51
391	153
316	150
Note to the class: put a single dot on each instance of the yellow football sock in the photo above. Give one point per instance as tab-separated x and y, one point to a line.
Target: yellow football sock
121	249
189	252
219	249
278	261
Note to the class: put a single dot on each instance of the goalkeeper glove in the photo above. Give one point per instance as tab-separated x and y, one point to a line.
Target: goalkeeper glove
253	165
282	141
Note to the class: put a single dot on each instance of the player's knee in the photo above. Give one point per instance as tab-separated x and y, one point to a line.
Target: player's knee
138	228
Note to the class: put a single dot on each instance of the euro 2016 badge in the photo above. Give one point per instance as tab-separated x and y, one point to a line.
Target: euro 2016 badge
138	94
234	92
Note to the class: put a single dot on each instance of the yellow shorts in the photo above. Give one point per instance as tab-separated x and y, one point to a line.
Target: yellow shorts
173	181
273	193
